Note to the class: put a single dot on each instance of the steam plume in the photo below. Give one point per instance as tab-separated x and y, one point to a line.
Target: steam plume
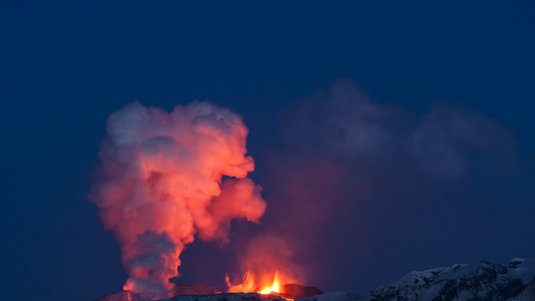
165	177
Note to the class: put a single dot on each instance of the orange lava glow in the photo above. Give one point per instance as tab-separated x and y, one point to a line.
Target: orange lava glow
270	284
273	288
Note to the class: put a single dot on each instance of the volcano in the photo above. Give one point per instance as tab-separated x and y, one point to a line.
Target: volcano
207	293
481	281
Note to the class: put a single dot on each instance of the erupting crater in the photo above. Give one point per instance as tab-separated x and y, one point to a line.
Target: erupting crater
271	284
273	292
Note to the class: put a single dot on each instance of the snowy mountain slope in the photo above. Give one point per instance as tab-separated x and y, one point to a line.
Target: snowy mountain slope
483	281
528	294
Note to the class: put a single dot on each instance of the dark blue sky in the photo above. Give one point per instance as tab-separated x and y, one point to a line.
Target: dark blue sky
65	66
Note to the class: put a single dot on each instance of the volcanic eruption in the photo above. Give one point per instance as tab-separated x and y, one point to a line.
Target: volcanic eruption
267	267
164	179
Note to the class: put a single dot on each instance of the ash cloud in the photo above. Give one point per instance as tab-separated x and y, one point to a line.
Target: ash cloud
344	123
357	187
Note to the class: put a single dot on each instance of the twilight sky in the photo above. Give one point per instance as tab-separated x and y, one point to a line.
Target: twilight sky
387	136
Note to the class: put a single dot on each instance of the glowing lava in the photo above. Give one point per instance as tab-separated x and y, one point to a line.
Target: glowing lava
274	288
267	284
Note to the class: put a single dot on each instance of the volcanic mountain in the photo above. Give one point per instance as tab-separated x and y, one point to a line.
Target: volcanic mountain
481	281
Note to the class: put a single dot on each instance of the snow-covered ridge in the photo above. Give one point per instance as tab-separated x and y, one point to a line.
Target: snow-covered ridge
483	281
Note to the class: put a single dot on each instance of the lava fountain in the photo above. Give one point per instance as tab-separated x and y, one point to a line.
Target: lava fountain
267	284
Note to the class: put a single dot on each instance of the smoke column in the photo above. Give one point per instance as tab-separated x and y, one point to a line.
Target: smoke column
165	178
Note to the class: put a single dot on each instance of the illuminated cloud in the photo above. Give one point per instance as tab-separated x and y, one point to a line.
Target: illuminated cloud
165	178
